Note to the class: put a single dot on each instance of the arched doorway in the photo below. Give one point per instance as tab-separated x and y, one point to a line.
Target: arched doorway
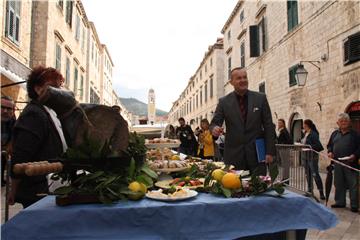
354	112
296	123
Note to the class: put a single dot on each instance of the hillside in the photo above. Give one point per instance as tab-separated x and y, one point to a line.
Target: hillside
138	108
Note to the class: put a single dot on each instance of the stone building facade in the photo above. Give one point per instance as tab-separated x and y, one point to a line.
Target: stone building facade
106	76
270	38
205	87
59	35
15	32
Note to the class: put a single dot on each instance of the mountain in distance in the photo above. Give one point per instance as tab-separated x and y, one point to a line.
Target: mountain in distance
139	108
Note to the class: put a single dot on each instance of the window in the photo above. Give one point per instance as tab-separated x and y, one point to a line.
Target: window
211	87
200	96
258	38
94	98
190	105
206	92
200	74
242	54
352	49
262	87
210	62
77	28
67	72
292	14
229	68
292	79
60	3
197	100
58	57
229	35
12	24
81	86
92	50
83	39
69	9
205	68
241	16
75	79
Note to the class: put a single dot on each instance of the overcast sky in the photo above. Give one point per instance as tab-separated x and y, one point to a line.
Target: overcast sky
157	44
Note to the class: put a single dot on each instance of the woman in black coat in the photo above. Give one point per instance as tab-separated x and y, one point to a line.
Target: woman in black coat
311	158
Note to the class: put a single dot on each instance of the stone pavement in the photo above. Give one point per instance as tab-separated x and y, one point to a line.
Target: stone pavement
348	227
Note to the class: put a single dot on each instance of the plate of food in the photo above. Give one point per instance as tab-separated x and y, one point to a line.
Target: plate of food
184	182
168	165
178	195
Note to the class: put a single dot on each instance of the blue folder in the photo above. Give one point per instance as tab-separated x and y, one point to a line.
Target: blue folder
260	149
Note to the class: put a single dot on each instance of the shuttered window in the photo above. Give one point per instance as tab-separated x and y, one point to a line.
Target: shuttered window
292	14
254	41
58	57
242	54
229	67
211	87
81	86
69	10
200	96
77	28
67	72
242	16
206	91
352	49
292	79
83	39
76	71
12	23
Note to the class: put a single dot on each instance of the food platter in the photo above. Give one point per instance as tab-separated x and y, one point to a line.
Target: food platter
168	170
165	184
162	145
182	194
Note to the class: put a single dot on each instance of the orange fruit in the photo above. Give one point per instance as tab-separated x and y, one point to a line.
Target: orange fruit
231	181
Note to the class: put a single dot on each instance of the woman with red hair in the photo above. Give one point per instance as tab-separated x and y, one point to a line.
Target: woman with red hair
37	137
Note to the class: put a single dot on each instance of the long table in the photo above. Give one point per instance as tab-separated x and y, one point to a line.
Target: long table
204	217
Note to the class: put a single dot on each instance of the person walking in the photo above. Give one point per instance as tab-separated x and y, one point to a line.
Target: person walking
310	158
247	116
345	143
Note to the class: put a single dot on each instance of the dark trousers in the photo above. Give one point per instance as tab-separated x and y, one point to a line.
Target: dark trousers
312	171
3	166
186	150
346	178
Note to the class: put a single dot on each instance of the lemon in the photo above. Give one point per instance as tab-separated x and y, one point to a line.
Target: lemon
231	181
175	157
135	195
217	174
137	187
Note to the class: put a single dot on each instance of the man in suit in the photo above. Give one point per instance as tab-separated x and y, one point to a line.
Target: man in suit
247	117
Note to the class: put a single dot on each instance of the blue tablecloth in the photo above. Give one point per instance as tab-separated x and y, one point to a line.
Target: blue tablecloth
204	217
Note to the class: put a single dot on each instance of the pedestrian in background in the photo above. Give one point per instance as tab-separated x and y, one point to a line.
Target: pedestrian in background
345	143
284	154
7	124
187	138
310	158
170	132
206	142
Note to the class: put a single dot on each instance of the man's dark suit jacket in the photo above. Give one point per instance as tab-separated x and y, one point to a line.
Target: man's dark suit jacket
240	149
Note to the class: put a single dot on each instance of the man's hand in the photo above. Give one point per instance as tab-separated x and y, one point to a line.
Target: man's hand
331	155
268	159
217	131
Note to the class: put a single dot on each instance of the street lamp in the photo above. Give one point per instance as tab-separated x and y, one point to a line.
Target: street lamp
301	73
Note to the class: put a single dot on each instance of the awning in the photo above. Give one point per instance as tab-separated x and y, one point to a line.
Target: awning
12	76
